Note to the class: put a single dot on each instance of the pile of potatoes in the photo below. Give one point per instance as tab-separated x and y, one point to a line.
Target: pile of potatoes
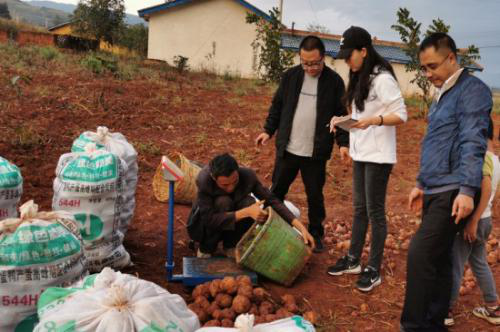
219	302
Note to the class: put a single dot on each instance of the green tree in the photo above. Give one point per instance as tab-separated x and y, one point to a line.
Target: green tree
100	19
272	58
4	11
135	37
409	31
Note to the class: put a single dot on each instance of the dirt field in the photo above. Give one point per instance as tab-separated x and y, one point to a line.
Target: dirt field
161	111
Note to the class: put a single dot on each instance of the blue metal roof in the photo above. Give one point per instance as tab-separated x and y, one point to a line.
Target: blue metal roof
175	3
390	53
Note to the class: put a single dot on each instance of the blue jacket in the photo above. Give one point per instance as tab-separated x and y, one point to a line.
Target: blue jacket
453	149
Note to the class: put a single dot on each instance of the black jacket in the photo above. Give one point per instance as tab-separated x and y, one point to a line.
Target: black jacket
330	92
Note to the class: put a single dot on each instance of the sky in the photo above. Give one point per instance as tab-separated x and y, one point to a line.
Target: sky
472	22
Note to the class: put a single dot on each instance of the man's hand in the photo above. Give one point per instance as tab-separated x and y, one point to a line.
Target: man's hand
255	212
462	207
262	139
416	200
470	231
308	239
344	154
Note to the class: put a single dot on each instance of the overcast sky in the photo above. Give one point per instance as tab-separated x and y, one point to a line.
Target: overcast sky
472	22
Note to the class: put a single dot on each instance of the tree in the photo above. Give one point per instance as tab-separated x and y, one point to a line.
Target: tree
272	58
409	32
315	27
100	19
4	11
135	37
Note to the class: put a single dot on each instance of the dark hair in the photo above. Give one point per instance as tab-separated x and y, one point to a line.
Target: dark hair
223	165
310	43
491	129
438	40
360	81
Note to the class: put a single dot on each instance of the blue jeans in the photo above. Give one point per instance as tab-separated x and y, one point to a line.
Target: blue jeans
369	189
475	253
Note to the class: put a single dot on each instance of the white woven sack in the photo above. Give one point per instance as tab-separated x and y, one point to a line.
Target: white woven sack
114	302
37	251
11	189
245	323
89	185
115	143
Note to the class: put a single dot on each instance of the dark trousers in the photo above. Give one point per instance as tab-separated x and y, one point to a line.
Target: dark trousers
429	266
369	189
313	177
229	239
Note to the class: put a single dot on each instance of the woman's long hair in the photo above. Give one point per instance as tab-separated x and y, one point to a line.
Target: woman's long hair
360	81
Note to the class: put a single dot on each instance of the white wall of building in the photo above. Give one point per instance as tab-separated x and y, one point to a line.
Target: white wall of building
213	34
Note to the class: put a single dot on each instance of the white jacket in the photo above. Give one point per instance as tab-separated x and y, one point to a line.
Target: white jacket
377	144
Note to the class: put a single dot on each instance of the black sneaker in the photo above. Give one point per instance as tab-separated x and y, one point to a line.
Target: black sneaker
346	264
368	279
318	245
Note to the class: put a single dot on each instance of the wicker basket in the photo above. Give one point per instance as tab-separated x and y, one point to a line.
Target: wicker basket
185	190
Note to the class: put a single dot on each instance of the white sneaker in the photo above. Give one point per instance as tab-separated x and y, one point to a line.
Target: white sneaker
491	315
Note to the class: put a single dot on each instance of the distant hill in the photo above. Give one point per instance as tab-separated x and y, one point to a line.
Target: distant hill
41	16
69	8
496	90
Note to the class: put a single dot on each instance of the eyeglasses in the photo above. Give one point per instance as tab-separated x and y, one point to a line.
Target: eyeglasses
433	66
311	64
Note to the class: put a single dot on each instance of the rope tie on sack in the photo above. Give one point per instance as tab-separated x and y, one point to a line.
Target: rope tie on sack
117	298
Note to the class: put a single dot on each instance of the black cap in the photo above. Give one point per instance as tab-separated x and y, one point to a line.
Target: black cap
353	38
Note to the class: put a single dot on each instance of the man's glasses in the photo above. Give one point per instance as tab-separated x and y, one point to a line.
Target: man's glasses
311	64
433	66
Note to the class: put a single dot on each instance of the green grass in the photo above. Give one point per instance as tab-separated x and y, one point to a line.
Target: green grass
496	103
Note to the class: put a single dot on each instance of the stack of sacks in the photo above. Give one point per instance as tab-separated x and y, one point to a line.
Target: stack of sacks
11	189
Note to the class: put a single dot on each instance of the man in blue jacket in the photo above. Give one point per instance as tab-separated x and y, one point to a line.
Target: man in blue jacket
309	95
448	183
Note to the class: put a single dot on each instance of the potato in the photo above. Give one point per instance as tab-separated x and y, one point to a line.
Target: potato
224	300
241	304
217	314
283	313
312	317
212	307
245	290
244	280
229	285
193	306
254	310
202	302
266	308
292	307
259	294
202	315
287	298
259	320
363	308
228	314
212	323
227	323
270	318
200	290
215	287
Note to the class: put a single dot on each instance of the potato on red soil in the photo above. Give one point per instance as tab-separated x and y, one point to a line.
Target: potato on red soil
259	294
201	290
224	300
217	314
244	280
266	308
270	318
245	290
258	320
229	285
288	298
228	314
212	323
283	313
311	316
292	307
215	287
212	307
254	310
227	323
241	304
202	315
193	306
202	302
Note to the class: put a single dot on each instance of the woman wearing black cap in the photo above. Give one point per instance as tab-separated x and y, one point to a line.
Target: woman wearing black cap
375	102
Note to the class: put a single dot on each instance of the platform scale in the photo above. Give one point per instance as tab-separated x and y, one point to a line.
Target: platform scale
195	270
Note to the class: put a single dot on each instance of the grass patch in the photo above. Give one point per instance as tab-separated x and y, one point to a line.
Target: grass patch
417	109
148	148
26	137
